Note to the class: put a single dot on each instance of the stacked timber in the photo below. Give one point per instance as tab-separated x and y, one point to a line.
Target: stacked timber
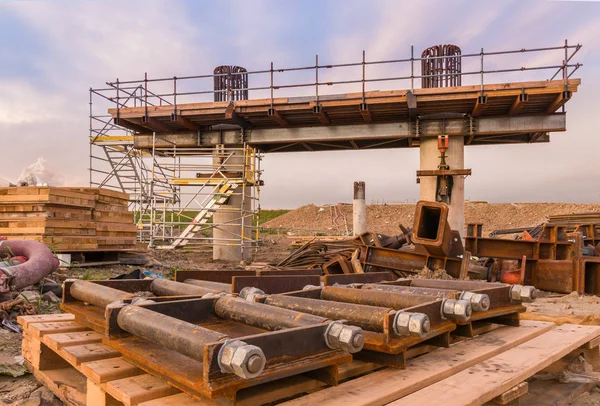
67	219
575	219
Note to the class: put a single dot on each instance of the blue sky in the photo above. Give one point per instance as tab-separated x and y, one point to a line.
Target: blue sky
53	51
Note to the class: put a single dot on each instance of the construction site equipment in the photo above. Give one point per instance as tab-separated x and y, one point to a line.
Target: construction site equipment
441	66
72	362
39	263
491	302
392	322
223	341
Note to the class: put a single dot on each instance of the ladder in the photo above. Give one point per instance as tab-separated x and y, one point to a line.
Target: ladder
223	191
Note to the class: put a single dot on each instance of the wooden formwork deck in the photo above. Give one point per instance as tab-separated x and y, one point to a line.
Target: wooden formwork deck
72	362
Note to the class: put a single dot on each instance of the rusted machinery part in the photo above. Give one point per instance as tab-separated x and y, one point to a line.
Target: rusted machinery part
523	293
367	317
164	287
263	316
479	302
216	286
239	358
97	295
450	308
40	263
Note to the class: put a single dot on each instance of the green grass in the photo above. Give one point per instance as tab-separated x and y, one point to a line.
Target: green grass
266	215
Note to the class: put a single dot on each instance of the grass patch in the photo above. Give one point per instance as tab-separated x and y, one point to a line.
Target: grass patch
267	215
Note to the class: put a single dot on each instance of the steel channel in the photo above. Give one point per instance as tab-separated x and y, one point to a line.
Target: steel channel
367	317
163	287
177	335
390	300
441	293
263	316
216	286
97	295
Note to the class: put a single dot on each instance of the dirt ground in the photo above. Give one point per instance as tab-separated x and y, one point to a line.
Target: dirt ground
311	219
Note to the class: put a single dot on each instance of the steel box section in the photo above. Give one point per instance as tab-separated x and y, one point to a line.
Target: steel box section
431	229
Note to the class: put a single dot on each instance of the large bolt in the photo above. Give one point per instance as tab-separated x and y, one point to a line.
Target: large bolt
340	336
479	302
411	324
250	294
520	293
459	310
244	360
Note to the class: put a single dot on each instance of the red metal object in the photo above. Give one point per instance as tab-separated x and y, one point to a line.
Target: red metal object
40	263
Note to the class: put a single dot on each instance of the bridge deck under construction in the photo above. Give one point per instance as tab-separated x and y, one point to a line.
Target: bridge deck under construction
518	112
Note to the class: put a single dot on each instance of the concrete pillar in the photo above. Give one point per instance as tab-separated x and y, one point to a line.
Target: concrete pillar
359	209
455	158
226	244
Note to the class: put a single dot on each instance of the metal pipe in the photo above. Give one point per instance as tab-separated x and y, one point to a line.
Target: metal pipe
449	308
367	317
479	302
40	263
262	316
164	287
97	295
174	334
215	286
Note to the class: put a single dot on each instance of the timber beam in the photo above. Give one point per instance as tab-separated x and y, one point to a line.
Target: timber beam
278	118
489	130
230	114
518	104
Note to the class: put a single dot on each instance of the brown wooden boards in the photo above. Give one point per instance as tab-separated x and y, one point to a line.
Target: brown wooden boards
388	385
68	219
492	377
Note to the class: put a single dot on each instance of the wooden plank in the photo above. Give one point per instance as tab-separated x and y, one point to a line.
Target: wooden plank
511	395
25	321
78	354
59	341
497	374
552	393
96	396
38	330
388	385
176	400
140	388
66	383
110	369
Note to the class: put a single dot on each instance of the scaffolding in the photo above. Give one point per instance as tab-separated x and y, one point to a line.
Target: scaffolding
192	197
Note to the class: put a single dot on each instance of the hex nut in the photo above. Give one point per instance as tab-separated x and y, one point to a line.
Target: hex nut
250	293
340	336
411	324
459	310
479	302
520	293
244	360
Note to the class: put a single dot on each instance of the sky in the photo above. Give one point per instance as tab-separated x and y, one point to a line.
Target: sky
52	52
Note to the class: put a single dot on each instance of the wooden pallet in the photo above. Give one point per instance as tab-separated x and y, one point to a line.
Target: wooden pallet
73	363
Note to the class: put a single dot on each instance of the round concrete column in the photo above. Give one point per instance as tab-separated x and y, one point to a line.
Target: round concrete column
359	209
455	158
226	244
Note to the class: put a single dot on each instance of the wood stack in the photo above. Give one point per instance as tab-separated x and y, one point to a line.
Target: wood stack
575	219
68	219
